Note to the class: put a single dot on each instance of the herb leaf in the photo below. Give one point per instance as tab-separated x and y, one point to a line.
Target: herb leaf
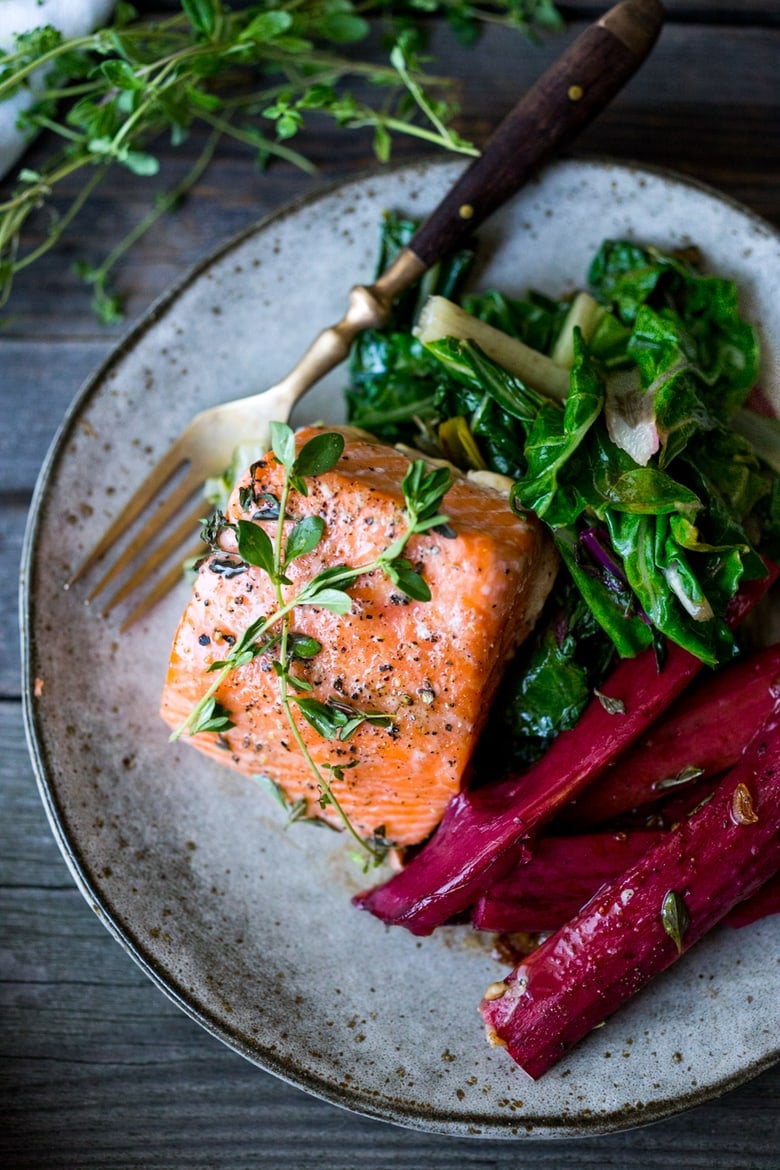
319	454
335	600
304	538
328	721
302	645
213	717
255	547
283	444
675	918
406	577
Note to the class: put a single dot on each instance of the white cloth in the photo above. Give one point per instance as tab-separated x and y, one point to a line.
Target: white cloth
73	18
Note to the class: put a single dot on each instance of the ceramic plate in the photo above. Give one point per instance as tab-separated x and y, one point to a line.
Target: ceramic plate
246	925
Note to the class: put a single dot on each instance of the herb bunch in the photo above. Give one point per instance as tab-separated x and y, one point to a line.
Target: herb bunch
256	76
423	488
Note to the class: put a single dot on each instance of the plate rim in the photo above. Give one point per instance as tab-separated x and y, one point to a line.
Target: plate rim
409	1116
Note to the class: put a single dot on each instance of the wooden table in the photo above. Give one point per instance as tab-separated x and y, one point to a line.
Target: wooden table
99	1069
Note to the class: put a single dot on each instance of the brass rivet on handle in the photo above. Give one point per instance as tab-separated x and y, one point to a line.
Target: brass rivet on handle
466	211
575	93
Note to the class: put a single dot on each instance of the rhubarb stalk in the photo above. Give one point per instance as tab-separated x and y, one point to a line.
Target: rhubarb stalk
703	736
636	927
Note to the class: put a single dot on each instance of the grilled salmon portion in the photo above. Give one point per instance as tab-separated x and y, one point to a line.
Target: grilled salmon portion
433	666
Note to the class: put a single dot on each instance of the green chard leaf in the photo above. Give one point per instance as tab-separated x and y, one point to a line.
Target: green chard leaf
553	440
609	598
392	377
536	321
547	690
648	559
465	362
721	347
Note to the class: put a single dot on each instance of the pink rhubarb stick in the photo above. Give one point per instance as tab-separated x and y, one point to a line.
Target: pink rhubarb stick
561	876
636	927
704	735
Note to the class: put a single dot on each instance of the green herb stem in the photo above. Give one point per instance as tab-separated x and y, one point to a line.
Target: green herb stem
164	204
250	138
23	72
60	226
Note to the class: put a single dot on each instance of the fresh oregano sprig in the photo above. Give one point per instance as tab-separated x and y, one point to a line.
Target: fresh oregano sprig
423	488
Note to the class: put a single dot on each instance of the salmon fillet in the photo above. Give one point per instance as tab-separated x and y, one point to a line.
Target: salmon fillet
434	666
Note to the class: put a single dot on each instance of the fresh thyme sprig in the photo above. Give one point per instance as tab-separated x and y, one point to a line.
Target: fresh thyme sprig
423	488
257	76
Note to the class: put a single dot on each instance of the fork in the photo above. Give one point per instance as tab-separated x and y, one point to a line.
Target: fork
560	104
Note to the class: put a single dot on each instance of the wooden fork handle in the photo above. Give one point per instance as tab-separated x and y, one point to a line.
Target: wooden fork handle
565	99
561	103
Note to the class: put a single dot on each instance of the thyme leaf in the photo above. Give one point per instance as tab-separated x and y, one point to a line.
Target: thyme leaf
254	546
408	580
319	454
675	918
302	645
335	600
304	538
213	717
337	720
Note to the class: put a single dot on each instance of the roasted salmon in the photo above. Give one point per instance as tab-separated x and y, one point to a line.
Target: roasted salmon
432	666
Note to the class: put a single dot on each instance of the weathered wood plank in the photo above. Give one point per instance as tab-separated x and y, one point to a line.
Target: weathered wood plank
12	521
39	380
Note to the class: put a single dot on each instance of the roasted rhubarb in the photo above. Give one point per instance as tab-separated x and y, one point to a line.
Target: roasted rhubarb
564	873
702	736
640	924
764	902
561	876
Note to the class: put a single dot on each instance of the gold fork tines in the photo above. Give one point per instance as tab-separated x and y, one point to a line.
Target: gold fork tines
158	556
159	590
171	462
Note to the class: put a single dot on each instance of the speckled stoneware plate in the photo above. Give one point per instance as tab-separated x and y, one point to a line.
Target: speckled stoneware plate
249	927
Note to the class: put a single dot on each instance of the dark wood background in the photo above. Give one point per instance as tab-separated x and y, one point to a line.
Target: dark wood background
98	1069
